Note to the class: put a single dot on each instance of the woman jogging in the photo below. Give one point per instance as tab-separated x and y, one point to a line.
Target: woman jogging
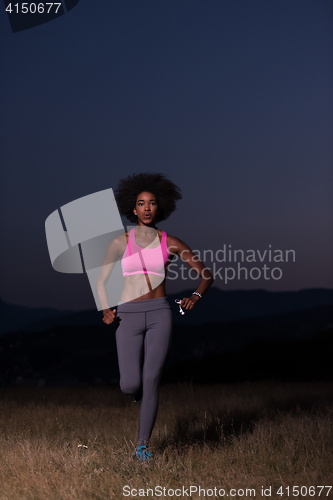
144	318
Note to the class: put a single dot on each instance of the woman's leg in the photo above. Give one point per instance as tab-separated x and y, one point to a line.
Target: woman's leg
130	343
156	345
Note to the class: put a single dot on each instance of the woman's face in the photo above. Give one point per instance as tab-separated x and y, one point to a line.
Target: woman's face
146	208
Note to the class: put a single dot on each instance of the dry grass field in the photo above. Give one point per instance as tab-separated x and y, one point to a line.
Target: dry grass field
236	438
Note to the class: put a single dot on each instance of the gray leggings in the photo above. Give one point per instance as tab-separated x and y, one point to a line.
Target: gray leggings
143	339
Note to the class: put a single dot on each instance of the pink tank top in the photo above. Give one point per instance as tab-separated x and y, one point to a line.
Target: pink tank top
137	260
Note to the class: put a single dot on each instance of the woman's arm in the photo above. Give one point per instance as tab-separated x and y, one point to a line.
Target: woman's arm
111	256
179	247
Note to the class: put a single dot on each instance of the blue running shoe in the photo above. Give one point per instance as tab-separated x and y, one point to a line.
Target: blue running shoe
142	454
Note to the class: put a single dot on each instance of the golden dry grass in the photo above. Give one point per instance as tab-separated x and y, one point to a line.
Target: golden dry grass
225	436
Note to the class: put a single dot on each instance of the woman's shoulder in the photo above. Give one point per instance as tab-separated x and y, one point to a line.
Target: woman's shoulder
118	243
175	244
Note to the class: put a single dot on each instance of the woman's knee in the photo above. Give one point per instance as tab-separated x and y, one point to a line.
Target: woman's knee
129	388
151	382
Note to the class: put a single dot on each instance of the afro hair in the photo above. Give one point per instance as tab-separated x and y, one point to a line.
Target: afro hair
166	192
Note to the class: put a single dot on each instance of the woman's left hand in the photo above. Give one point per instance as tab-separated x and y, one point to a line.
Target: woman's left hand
189	303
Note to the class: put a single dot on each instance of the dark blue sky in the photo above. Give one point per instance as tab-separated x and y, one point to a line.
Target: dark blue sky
231	99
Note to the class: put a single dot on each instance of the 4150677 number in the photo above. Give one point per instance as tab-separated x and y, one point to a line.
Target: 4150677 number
304	491
33	8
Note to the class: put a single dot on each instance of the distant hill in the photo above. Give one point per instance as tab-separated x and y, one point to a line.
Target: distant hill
217	306
199	340
15	318
233	305
295	345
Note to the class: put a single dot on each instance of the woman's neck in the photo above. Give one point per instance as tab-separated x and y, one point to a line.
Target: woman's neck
145	230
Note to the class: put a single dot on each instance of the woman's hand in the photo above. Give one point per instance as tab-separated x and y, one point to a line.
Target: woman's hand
189	303
109	316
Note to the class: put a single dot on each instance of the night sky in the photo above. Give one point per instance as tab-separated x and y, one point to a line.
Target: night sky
231	99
